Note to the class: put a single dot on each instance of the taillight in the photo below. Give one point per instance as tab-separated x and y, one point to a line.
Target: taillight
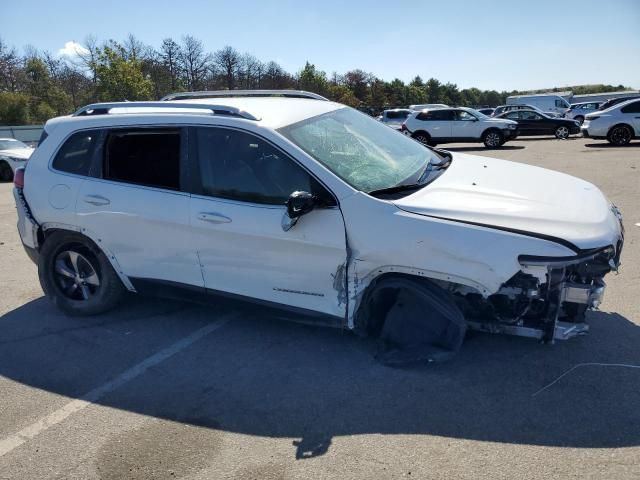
18	177
589	117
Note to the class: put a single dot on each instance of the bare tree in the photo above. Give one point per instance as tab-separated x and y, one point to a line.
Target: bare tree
88	58
10	68
171	55
195	62
227	61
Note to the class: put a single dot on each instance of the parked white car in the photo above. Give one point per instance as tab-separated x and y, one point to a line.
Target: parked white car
545	102
578	111
313	207
452	125
394	117
13	154
619	124
423	106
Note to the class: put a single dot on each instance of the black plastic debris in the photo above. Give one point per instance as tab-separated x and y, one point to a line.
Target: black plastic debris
423	325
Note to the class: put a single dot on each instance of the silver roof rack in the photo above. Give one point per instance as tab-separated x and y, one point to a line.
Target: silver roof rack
105	108
243	93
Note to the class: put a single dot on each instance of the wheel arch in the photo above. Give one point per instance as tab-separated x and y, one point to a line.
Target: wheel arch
46	231
369	310
420	131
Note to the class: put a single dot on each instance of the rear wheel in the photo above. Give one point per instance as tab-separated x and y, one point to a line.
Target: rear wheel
77	276
422	137
562	132
620	135
6	174
493	139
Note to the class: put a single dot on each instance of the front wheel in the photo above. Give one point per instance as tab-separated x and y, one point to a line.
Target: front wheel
620	135
562	132
76	276
493	139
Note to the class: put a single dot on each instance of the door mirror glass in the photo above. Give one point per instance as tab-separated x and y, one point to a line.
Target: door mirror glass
298	204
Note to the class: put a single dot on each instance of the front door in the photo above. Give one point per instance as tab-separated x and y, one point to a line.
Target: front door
466	126
241	184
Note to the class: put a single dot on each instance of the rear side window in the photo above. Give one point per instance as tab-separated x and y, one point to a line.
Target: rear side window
436	115
149	157
397	115
631	108
77	152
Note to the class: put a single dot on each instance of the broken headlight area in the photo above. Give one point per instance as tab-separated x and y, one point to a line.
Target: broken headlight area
547	299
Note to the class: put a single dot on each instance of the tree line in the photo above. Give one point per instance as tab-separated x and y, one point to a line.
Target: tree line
38	85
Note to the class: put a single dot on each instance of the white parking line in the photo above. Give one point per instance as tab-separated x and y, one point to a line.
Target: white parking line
14	441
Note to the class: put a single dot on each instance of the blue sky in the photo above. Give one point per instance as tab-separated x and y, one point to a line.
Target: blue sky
490	44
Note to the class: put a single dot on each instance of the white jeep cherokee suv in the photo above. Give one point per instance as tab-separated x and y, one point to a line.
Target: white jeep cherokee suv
453	125
288	199
618	124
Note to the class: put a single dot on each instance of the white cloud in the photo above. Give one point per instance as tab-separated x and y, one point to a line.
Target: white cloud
72	49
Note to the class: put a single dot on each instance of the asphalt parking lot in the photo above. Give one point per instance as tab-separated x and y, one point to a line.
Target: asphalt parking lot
160	389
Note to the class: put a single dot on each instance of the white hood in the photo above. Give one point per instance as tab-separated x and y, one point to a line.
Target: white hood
520	197
18	152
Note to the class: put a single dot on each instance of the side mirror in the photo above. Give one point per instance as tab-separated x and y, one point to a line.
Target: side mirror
298	204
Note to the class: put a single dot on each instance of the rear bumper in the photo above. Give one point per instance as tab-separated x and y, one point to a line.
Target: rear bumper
27	226
586	134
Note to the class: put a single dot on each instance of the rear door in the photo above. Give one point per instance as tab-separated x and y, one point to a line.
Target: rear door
241	184
136	207
632	114
438	123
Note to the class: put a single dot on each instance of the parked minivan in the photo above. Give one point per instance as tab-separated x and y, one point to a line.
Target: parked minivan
545	102
290	200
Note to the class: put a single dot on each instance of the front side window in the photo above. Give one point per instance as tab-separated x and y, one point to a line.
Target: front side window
149	157
364	153
513	115
240	166
76	154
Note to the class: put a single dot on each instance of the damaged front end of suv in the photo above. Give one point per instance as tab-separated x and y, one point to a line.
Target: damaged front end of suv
547	299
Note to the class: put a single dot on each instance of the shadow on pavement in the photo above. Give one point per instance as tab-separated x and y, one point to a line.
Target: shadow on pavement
605	144
261	376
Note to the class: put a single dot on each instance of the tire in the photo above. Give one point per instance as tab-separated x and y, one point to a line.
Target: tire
561	132
76	276
422	137
6	174
620	135
579	119
493	139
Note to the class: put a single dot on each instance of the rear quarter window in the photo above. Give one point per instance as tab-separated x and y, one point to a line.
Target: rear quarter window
77	152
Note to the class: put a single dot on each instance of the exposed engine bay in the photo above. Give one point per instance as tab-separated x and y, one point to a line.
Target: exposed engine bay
547	299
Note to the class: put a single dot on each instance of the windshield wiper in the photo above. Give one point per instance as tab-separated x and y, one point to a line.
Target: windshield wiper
397	188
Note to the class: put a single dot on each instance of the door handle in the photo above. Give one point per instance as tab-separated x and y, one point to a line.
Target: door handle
212	217
96	200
